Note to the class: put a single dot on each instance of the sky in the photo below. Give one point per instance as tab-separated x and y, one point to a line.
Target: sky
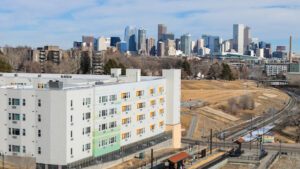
60	22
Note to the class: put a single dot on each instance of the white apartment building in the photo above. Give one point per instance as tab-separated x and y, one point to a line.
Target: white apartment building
63	119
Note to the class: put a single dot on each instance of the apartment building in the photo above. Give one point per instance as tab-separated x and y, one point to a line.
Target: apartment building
60	120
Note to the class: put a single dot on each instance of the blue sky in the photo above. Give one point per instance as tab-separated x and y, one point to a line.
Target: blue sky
60	22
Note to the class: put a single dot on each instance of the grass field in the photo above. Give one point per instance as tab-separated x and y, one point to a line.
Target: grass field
216	95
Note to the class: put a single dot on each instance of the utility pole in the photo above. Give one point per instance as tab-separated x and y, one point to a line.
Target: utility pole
251	133
210	141
151	158
2	154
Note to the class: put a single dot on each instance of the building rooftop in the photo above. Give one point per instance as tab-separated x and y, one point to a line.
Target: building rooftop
69	81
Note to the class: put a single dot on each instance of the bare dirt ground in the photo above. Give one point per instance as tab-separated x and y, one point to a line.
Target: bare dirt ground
287	162
216	95
238	166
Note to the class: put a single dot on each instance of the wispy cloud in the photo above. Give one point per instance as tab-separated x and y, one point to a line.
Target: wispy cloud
40	22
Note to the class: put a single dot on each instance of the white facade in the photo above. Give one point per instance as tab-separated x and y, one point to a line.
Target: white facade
238	38
101	44
82	116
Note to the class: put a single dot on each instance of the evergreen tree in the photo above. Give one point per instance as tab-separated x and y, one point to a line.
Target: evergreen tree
4	65
226	72
111	63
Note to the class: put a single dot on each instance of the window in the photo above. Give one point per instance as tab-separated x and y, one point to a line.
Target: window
88	116
126	121
141	105
82	147
39	133
112	111
9	116
126	108
162	100
161	90
15	102
88	146
152	127
161	123
39	150
103	113
9	148
24	102
112	98
15	132
88	101
152	102
152	91
15	116
24	117
125	95
104	142
15	148
83	101
71	134
140	117
103	127
152	114
88	130
24	149
71	151
112	124
104	99
161	111
40	118
71	103
24	132
9	101
39	103
140	131
140	93
112	140
126	135
9	131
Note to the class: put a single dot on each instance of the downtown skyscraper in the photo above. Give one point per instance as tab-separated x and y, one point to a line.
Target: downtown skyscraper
142	41
162	29
130	38
186	44
241	38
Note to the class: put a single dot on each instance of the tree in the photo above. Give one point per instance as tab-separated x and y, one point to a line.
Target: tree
246	102
226	72
111	63
85	64
232	106
4	65
214	71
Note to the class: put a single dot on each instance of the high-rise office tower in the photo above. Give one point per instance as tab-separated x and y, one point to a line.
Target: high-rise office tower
162	29
238	38
177	44
142	41
130	38
150	46
170	48
101	44
122	46
213	43
160	48
89	41
247	38
186	44
167	36
114	41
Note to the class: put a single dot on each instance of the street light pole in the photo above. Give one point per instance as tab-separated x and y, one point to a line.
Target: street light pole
2	154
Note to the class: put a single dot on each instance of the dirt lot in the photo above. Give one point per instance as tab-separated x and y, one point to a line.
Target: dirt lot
216	95
287	162
238	166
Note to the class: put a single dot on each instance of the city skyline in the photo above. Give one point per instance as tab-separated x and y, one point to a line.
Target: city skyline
37	23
